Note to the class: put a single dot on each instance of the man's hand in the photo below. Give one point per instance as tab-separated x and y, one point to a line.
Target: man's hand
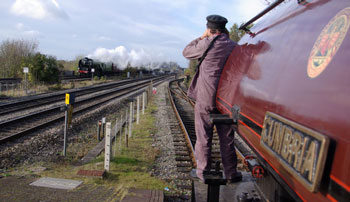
205	34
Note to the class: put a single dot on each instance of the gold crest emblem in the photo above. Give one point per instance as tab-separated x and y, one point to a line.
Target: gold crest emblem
328	43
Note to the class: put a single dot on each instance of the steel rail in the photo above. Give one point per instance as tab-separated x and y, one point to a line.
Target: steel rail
183	128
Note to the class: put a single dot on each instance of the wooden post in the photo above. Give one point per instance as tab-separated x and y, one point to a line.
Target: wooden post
103	126
108	146
138	111
99	123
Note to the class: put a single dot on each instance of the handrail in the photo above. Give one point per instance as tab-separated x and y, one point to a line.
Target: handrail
272	6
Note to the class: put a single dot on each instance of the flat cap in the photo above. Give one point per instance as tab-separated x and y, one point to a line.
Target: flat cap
216	22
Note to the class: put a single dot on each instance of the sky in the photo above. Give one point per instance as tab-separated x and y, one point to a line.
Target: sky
121	31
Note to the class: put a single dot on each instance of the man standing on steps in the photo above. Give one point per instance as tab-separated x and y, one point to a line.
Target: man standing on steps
213	49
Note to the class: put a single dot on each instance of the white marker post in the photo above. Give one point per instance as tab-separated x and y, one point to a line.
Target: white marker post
26	71
130	119
108	145
115	137
92	74
138	111
143	102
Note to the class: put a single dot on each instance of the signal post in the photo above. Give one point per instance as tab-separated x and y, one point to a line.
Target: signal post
69	105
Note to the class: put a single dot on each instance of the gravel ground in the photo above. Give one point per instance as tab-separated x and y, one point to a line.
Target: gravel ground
166	164
47	144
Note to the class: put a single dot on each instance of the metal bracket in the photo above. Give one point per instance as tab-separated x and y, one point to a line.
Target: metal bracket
247	197
226	119
221	119
235	113
214	180
254	166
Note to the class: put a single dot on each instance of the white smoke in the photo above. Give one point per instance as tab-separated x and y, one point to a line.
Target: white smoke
121	56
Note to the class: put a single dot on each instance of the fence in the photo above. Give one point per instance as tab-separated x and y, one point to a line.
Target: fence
123	126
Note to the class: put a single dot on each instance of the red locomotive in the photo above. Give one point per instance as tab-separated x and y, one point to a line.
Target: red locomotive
288	85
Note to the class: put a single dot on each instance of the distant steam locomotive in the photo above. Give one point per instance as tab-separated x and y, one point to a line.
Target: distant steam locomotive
86	65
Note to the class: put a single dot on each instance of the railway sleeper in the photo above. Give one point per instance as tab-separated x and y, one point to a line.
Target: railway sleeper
183	148
179	136
215	150
184	177
215	155
182	158
182	153
184	164
177	133
173	124
179	144
176	140
185	170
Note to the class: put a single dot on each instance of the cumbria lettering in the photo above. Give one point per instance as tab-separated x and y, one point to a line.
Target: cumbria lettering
295	148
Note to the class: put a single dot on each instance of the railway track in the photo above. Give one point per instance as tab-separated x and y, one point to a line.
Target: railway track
184	140
184	110
10	80
22	125
32	102
184	137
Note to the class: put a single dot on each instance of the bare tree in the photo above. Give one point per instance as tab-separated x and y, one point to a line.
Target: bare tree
13	53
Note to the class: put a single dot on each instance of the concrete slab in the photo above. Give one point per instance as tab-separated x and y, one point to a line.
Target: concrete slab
56	183
17	189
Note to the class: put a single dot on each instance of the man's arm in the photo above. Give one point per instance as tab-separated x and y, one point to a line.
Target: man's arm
197	47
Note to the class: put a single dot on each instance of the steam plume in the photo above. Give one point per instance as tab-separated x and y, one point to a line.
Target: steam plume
122	57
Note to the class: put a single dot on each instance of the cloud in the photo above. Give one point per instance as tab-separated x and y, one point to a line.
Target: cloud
140	28
19	26
31	33
104	38
121	56
38	9
24	30
248	10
